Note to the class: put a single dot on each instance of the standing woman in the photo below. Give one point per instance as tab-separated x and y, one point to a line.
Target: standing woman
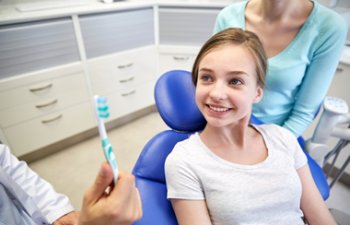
303	41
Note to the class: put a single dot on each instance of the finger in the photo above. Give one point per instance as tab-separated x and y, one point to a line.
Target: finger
138	204
124	186
103	179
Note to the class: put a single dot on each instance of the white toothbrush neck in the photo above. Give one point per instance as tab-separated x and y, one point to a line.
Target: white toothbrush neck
102	129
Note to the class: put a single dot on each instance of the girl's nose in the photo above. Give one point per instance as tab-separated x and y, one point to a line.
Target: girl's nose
218	91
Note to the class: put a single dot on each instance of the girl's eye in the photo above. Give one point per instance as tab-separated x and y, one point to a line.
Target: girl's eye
206	78
236	82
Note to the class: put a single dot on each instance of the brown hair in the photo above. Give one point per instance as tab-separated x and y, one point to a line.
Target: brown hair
235	36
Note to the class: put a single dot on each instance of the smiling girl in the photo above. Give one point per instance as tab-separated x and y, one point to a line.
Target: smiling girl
234	172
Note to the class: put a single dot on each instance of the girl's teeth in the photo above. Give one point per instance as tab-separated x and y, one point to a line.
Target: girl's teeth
217	109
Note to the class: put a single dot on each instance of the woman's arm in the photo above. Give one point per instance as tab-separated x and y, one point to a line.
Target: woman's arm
191	212
318	75
312	204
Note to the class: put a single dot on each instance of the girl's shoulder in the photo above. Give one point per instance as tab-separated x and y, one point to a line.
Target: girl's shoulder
277	136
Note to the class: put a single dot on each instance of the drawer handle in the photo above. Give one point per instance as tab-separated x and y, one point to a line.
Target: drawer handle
181	58
47	104
52	119
128	93
41	88
340	70
127	80
125	66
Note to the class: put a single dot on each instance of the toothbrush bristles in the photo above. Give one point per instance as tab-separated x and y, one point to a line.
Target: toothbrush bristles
102	107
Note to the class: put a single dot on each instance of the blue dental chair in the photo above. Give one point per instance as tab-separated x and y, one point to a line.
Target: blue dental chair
175	100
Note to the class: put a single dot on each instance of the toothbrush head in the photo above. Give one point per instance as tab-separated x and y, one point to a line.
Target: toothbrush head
102	109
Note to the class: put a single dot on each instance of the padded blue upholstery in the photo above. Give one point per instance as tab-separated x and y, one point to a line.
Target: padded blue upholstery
174	95
175	101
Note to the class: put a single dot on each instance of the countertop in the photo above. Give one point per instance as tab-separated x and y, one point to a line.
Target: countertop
23	12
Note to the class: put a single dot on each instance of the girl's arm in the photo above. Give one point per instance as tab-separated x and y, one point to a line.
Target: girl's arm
191	212
312	204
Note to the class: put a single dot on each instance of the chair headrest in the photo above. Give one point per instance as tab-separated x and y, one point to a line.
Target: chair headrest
175	100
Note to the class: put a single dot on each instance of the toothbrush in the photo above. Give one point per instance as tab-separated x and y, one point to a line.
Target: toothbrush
101	109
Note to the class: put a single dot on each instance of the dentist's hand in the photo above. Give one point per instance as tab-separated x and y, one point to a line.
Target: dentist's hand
104	204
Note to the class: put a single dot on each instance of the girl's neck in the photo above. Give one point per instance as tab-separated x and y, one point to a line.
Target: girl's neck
236	135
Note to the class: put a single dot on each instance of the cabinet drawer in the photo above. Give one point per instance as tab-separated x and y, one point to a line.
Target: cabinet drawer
176	61
124	70
186	26
36	45
40	132
45	84
111	32
129	100
58	94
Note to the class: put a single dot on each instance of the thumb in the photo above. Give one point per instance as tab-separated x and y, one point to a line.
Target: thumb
103	179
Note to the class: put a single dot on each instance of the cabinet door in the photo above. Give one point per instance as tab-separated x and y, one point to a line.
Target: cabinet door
186	26
107	33
31	46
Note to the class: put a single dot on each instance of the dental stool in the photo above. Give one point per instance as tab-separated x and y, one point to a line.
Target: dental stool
175	100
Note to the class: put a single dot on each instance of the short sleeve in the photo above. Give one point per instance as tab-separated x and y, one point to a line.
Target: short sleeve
181	179
300	159
299	156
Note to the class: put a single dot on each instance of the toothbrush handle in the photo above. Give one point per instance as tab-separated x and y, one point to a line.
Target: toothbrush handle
110	157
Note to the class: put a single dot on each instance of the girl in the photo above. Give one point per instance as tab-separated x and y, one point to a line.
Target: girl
234	172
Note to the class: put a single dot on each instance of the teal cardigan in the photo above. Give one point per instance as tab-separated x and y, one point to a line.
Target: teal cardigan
298	77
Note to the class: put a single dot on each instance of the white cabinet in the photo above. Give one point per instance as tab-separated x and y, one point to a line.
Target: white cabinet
182	31
44	107
126	78
121	58
43	92
47	79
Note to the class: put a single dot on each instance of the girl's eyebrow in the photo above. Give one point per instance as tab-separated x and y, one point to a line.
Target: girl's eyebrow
205	69
235	73
231	73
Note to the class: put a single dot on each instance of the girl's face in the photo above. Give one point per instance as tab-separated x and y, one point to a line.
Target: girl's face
227	85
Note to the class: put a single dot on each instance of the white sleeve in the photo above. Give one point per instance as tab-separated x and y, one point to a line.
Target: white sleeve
52	204
299	156
181	179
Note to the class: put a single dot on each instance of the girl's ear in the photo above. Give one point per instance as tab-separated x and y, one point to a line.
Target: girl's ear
259	94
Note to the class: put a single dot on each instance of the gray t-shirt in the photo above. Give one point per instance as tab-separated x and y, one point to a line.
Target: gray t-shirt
265	193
